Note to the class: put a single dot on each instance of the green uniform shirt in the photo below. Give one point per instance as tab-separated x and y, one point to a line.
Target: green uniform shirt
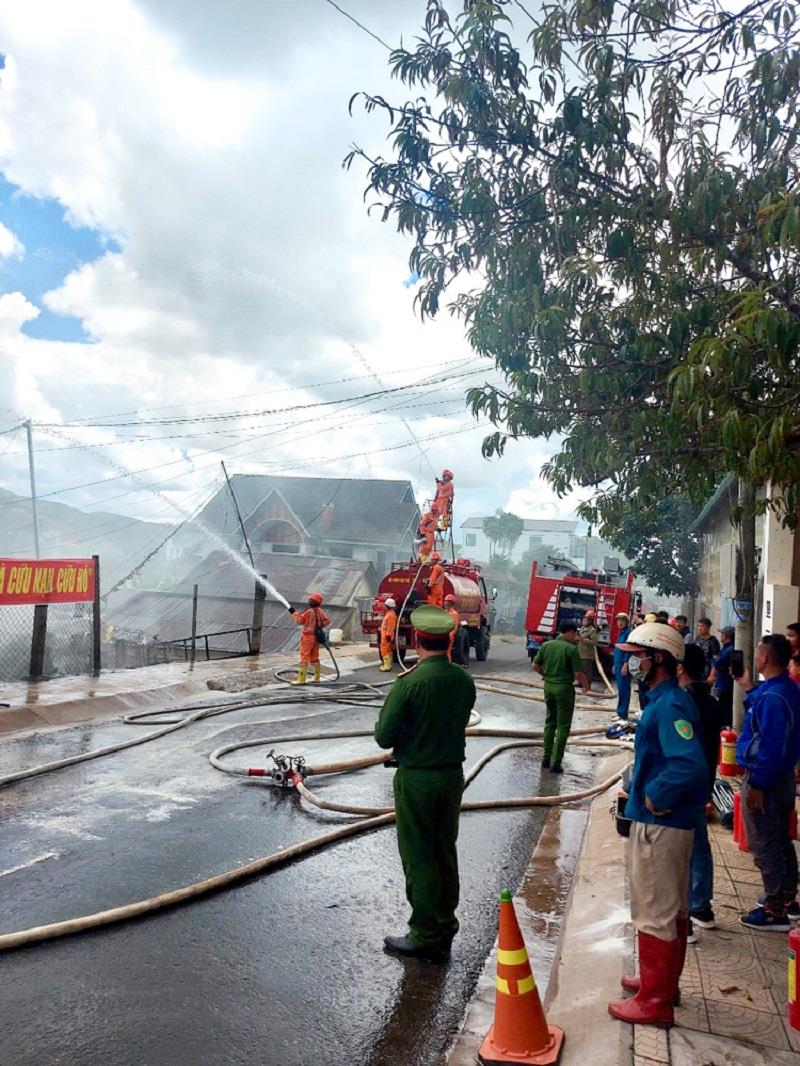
425	714
559	661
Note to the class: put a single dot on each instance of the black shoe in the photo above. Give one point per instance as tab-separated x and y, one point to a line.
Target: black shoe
545	764
410	949
704	917
556	768
792	908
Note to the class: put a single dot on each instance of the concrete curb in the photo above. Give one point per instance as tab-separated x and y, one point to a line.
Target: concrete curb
583	976
596	940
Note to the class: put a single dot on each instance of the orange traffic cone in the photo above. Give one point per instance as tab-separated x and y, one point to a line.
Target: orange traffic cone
520	1034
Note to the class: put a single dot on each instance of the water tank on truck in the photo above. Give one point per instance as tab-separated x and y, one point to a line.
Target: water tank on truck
406	584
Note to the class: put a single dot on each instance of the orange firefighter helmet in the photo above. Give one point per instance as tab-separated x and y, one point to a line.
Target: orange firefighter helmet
315	599
435	557
447	474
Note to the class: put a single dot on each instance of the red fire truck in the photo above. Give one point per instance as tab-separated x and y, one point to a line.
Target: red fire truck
559	593
405	583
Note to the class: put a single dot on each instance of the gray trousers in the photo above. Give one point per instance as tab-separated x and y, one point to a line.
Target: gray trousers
768	839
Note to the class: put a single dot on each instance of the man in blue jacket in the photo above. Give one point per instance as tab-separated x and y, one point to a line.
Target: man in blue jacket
768	750
667	793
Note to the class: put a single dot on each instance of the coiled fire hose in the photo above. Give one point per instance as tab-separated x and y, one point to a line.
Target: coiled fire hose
187	893
357	692
376	817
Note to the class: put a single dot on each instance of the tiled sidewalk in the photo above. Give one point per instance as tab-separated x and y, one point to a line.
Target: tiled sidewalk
734	983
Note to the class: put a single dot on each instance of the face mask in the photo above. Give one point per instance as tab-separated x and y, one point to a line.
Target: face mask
635	669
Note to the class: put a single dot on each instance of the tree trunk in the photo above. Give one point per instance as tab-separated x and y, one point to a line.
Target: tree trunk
745	588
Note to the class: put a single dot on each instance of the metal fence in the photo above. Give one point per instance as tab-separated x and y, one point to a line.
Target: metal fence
68	649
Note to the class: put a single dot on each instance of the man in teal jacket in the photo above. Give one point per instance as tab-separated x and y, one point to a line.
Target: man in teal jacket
667	793
423	719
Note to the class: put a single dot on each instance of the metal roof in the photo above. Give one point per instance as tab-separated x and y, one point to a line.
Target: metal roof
225	599
350	510
724	492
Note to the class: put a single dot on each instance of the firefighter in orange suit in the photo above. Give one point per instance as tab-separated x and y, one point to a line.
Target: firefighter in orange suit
436	581
443	501
450	607
311	619
388	631
427	535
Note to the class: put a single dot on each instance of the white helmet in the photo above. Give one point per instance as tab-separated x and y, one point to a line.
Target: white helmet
389	602
655	635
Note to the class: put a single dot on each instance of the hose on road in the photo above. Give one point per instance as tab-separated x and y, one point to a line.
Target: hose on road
372	818
385	816
357	692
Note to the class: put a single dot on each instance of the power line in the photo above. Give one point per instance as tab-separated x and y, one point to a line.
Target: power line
360	25
230	415
144	438
173	462
270	392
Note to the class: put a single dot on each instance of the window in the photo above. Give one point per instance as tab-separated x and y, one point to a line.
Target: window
286	549
470	540
534	540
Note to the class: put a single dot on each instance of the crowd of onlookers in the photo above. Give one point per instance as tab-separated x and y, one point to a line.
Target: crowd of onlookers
686	694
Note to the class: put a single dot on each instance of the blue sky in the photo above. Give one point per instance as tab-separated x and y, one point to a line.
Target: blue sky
53	248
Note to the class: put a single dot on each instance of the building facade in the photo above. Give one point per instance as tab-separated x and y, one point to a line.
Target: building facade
777	586
559	534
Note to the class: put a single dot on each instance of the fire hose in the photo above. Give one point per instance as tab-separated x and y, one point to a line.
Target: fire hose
295	779
288	772
356	692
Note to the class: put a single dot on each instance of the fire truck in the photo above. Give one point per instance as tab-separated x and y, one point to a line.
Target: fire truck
405	583
559	593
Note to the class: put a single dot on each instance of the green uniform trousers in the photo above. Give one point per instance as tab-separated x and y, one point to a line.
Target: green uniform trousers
560	703
427	805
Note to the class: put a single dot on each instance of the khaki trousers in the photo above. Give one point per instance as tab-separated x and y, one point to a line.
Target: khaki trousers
658	865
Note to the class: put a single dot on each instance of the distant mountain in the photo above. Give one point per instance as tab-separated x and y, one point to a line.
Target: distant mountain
66	532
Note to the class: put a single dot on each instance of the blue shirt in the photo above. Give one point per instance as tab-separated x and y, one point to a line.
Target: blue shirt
769	744
620	656
670	765
723	681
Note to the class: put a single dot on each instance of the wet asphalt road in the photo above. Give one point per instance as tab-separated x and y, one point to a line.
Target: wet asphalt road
286	969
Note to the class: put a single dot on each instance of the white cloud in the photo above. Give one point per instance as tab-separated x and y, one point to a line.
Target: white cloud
10	244
208	141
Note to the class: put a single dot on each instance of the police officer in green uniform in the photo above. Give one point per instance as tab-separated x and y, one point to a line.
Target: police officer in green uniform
559	664
423	719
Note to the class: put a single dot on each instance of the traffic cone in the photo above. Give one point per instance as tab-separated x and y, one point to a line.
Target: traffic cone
520	1034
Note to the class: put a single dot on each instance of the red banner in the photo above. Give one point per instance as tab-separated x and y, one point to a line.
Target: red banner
46	581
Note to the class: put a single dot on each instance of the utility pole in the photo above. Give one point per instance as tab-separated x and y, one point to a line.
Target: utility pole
32	472
238	515
39	636
744	602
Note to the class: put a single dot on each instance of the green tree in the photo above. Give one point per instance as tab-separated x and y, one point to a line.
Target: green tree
621	189
503	530
660	548
539	553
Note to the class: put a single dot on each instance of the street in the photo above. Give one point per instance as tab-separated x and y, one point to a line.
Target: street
287	968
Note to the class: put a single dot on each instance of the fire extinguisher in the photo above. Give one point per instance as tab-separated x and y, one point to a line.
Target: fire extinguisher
793	1010
727	754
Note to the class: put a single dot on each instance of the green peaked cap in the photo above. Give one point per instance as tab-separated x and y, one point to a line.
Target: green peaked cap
432	621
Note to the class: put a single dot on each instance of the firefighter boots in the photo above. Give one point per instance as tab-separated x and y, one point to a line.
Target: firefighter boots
302	674
386	665
652	1004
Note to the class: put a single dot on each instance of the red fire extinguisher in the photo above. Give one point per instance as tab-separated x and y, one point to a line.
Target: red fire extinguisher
793	1010
727	754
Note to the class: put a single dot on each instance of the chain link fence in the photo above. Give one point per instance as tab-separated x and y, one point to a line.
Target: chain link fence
68	647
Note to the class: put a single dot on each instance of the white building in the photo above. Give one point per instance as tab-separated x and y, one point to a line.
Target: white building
558	533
